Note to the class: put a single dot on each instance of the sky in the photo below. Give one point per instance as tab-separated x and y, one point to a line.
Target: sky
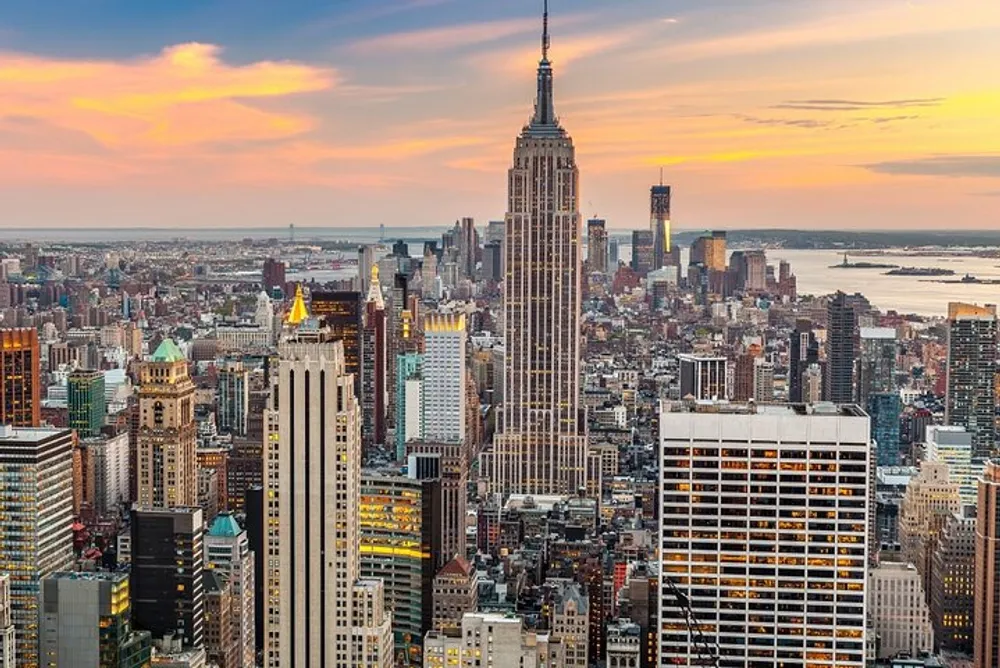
804	114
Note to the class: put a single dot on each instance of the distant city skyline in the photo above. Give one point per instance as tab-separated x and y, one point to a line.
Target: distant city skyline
763	114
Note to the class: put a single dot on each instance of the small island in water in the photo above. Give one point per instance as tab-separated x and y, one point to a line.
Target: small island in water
920	271
846	264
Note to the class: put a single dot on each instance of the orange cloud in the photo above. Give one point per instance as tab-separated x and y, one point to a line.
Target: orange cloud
184	95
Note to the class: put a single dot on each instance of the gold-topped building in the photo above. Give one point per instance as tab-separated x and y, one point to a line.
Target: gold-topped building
168	469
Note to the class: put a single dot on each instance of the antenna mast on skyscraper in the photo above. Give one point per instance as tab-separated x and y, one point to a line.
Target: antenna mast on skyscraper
545	30
661	175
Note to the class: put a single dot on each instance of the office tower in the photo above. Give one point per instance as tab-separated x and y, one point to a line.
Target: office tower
220	645
659	224
876	363
986	613
85	621
468	247
366	260
642	252
255	513
109	458
233	399
263	315
8	647
884	408
400	538
343	313
613	255
409	401
972	358
744	374
494	232
710	250
953	446
455	592
930	499
899	611
399	299
444	375
702	377
401	249
571	624
245	465
493	262
541	447
374	368
429	273
274	275
168	562
36	503
20	382
597	245
763	380
313	446
952	582
228	553
167	466
840	355
624	644
735	527
803	351
86	403
453	470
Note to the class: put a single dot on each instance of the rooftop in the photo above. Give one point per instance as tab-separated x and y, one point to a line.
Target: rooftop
27	434
225	526
168	351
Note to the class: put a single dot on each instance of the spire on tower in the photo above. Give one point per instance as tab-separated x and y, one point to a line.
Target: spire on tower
545	30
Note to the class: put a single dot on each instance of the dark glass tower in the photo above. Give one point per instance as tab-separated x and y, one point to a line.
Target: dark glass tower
840	350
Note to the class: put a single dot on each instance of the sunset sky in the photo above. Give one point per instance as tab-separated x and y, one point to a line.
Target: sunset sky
825	114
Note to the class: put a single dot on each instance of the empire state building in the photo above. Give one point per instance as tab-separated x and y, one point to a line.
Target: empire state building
541	447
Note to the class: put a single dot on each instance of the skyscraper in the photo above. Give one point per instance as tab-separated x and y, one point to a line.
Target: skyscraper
20	378
876	363
643	247
541	446
227	552
840	354
468	248
86	403
168	561
167	464
86	621
274	275
36	503
374	366
444	375
8	647
972	358
312	489
659	224
986	615
803	351
759	570
343	313
597	245
233	399
702	377
452	467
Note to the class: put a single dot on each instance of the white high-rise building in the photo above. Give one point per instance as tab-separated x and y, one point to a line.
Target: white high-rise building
317	609
541	445
110	455
7	647
493	639
899	612
953	445
227	550
764	533
444	376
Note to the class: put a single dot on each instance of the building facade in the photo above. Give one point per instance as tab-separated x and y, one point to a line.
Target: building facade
228	553
597	245
233	399
444	378
168	561
840	350
36	503
986	613
953	580
8	646
85	401
167	465
899	611
727	475
541	447
971	390
21	378
313	446
702	377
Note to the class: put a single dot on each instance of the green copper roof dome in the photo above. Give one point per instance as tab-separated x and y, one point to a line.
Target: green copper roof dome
225	526
168	351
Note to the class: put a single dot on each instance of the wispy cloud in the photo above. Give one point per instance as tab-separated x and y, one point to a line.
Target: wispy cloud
444	38
858	105
957	166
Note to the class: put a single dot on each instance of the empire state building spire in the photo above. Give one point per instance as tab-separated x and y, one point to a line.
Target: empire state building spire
544	122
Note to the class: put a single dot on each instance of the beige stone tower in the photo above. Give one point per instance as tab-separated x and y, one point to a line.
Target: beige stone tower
167	475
